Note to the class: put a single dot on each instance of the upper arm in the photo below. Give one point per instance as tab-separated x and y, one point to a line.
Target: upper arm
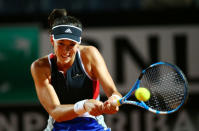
44	89
100	71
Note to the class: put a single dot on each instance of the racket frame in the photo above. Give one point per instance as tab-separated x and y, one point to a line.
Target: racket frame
142	104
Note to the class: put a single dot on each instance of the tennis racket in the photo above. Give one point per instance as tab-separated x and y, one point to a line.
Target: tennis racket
167	85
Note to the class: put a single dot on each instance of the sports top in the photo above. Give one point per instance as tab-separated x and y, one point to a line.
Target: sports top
72	87
75	84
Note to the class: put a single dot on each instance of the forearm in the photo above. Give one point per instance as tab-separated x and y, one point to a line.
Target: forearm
111	90
63	112
67	112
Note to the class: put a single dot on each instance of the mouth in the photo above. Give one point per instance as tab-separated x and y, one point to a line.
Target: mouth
65	56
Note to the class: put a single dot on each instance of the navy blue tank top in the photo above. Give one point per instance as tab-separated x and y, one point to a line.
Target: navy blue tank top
75	85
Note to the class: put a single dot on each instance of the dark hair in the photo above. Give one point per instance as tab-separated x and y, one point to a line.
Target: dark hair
59	17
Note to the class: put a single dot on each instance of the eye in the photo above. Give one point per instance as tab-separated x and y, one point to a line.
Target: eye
60	44
72	44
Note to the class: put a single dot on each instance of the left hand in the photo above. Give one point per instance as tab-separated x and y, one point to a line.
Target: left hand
108	106
93	107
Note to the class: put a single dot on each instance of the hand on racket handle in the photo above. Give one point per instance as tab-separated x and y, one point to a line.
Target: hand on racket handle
109	106
94	107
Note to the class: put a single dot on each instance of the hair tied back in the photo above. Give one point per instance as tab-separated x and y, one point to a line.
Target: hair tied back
55	14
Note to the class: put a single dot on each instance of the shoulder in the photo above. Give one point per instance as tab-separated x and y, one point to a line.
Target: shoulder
89	52
91	55
89	49
40	65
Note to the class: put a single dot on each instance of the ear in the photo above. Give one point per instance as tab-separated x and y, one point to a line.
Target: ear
51	40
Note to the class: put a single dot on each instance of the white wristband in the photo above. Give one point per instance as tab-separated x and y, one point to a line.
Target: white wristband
115	101
116	96
79	107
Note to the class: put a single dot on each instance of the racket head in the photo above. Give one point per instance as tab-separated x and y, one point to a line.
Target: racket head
168	87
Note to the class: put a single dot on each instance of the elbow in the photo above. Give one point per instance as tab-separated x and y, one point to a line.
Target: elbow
56	117
62	113
59	115
54	113
60	118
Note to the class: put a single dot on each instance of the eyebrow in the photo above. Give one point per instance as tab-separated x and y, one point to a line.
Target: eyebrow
62	41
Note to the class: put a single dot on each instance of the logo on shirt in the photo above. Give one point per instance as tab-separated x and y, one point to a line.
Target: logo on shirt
77	75
68	30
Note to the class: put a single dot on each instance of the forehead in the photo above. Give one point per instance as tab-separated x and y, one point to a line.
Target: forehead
65	41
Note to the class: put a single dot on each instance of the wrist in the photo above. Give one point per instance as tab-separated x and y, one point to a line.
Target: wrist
79	107
115	100
116	96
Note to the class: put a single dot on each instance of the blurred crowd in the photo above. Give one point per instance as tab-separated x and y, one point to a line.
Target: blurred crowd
45	6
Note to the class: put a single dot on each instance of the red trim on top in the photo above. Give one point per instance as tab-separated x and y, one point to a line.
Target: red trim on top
96	88
52	55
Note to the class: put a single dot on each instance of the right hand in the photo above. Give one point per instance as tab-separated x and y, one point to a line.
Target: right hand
94	107
109	107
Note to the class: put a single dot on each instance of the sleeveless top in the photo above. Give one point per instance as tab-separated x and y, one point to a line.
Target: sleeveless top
75	85
72	87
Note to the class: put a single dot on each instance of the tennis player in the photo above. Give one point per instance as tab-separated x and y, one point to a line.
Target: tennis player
67	81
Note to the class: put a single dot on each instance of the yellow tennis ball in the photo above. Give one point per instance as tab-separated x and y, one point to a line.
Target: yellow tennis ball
142	94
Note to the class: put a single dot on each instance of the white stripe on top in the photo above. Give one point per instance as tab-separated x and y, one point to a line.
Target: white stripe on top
83	65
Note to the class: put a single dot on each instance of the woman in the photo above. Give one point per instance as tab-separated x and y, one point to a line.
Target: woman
67	81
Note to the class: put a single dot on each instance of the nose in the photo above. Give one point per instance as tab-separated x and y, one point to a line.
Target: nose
66	49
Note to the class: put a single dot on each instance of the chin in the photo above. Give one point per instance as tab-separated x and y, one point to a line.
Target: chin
67	61
64	61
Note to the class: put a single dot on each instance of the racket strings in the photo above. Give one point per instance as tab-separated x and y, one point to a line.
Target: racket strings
166	86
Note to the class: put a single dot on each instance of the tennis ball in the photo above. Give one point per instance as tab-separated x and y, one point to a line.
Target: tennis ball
142	94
